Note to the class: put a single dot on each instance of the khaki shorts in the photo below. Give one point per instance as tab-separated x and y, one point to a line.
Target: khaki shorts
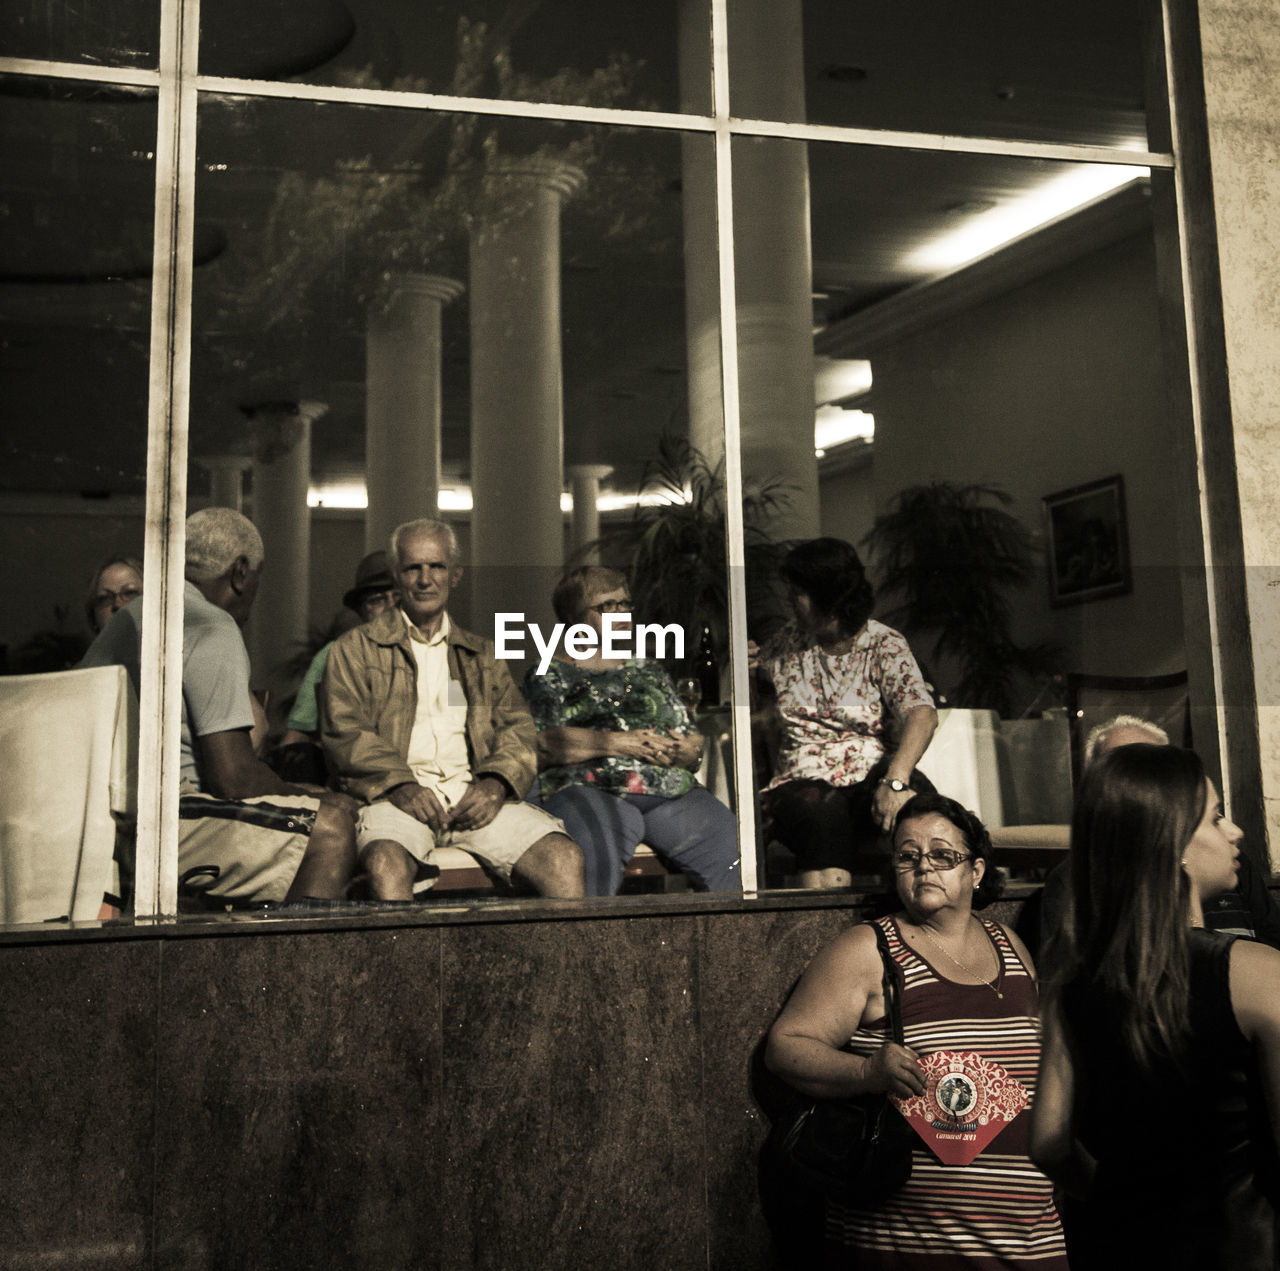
243	849
499	845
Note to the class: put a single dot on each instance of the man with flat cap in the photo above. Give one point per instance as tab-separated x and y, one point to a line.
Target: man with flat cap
372	593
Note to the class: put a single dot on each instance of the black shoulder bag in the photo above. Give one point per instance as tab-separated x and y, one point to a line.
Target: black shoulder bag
856	1150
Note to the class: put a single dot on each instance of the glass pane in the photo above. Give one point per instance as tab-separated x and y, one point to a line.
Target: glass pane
492	319
966	338
1071	73
567	51
110	33
77	189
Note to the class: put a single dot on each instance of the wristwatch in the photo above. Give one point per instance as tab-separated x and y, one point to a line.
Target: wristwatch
894	784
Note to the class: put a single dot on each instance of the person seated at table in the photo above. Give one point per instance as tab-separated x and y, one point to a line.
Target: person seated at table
617	752
116	581
852	710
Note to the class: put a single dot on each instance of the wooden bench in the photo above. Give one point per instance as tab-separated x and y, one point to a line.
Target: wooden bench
461	872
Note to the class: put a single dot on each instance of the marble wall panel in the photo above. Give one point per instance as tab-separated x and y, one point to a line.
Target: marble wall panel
750	961
297	1102
1241	66
77	1056
573	1124
496	1095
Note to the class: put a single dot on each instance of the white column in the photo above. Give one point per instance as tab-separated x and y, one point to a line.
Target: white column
1241	46
772	261
517	407
585	481
698	210
402	402
226	479
281	479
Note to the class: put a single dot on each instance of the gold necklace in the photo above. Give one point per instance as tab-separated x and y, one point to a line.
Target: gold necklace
968	970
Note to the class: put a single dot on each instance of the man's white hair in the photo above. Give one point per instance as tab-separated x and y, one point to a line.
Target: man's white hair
422	526
1099	731
216	537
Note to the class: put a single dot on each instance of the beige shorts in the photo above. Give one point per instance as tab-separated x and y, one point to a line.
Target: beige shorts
243	849
499	845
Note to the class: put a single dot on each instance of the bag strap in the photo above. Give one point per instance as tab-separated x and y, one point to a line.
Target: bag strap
890	985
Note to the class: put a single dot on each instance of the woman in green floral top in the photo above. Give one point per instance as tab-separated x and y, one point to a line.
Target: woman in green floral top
617	752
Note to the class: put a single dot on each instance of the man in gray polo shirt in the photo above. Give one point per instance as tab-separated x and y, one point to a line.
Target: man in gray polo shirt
244	834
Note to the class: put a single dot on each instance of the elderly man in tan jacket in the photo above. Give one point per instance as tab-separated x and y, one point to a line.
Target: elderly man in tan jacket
421	721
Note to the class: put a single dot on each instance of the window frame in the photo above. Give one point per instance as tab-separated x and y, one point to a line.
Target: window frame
180	87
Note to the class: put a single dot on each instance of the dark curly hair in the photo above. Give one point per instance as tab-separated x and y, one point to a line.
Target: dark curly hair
972	831
830	572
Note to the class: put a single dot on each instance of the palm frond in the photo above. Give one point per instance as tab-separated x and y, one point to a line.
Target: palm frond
675	548
949	557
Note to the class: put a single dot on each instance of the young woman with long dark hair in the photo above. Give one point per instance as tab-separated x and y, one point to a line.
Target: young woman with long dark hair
1160	1075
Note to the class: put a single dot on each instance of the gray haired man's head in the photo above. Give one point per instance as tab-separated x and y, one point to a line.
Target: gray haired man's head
216	539
423	527
1122	730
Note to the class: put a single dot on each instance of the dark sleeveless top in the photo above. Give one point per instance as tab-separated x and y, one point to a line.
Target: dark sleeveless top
1187	1171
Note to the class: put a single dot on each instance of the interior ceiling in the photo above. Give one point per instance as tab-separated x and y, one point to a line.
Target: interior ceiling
77	202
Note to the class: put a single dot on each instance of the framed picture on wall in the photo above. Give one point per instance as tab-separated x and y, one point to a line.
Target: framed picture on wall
1088	542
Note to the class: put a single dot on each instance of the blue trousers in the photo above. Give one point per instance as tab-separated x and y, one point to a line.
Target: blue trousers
695	832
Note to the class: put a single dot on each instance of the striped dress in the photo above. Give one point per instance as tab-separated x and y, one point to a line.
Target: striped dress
997	1211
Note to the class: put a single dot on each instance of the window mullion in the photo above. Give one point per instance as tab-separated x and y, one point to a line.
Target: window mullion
744	779
156	887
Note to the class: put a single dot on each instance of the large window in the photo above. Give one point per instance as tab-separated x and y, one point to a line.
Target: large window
790	261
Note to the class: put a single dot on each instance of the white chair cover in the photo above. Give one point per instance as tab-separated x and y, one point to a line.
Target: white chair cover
67	758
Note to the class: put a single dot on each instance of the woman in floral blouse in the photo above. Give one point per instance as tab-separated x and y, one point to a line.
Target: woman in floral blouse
617	752
853	713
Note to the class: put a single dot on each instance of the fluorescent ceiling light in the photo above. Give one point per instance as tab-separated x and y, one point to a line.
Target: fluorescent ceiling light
1016	216
622	502
834	427
837	378
338	494
353	494
454	500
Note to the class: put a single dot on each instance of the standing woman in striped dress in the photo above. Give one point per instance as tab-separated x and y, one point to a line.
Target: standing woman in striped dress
967	1072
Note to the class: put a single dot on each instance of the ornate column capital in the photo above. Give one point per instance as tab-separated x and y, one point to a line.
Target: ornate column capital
505	175
589	471
279	426
397	286
224	463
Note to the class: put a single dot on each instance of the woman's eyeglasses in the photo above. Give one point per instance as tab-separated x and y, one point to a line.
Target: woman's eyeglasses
940	858
124	595
612	606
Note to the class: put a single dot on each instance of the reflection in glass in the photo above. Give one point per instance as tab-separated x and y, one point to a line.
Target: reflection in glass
75	289
1070	74
565	51
108	33
77	192
450	312
981	384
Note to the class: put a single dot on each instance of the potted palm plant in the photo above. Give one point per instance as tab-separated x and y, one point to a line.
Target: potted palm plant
674	549
950	557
